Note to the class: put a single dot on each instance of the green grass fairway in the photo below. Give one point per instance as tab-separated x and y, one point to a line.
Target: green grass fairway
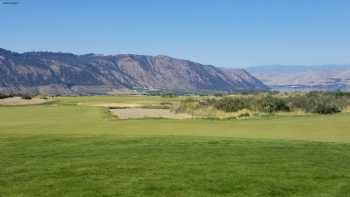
117	99
68	150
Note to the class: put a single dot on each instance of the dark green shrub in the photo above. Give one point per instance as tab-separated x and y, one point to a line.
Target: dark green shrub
26	97
326	108
318	102
321	104
3	96
271	104
228	104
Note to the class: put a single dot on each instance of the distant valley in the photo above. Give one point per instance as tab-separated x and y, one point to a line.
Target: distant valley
304	78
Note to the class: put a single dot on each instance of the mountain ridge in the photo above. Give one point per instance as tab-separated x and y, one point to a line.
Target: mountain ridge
70	74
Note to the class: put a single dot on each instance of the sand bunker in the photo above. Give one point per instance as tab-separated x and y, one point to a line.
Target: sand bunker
116	105
13	101
138	113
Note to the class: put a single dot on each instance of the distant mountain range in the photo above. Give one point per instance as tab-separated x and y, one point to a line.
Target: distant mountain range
304	78
70	74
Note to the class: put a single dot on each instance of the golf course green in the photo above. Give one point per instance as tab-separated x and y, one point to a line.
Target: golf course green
67	149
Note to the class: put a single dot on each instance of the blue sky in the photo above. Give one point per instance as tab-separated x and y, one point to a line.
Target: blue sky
228	33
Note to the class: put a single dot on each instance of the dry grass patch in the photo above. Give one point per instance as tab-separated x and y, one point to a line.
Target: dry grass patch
211	112
14	101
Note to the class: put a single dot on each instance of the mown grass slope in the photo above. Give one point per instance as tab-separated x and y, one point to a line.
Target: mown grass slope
69	150
168	166
89	121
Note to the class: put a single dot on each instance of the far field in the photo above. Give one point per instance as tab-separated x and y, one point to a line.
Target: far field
71	148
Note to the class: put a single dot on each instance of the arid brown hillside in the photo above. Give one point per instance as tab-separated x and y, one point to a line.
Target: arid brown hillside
64	73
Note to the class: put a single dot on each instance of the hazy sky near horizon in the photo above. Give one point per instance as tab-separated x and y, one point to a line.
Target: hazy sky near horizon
230	33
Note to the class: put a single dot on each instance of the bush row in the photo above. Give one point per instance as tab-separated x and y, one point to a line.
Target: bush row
24	96
267	104
313	102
